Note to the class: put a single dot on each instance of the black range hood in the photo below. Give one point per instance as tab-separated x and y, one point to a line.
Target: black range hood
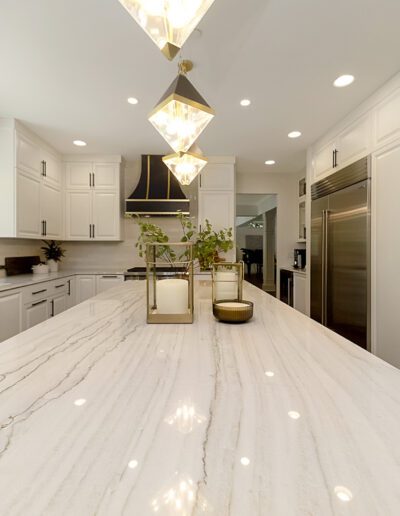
158	192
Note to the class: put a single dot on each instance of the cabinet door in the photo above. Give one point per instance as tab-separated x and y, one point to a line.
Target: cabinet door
51	210
52	168
57	305
85	287
386	249
323	160
78	176
106	176
78	215
36	313
28	206
106	215
218	208
10	314
299	293
217	176
107	281
28	155
71	292
388	119
354	142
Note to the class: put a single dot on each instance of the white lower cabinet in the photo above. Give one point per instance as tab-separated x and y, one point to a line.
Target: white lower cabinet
71	292
58	305
85	287
106	281
299	292
10	314
35	313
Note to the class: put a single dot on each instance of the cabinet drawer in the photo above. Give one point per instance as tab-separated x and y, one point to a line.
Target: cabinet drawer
58	287
36	292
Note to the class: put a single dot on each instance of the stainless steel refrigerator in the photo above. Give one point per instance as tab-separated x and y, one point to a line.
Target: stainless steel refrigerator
340	252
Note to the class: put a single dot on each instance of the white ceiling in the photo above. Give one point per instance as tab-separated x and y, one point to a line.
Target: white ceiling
67	67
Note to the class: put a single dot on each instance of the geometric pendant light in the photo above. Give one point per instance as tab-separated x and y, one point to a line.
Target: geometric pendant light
168	22
186	165
181	114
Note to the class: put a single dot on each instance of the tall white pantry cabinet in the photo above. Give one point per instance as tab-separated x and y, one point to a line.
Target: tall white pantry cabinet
373	129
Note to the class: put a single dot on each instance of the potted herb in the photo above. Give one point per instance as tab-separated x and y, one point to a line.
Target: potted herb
53	253
210	243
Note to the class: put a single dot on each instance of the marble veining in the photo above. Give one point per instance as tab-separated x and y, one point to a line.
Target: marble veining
101	414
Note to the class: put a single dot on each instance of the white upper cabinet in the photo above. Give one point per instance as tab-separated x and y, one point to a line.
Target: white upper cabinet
368	129
51	211
30	184
92	200
387	119
78	176
324	159
105	215
28	155
51	168
28	206
354	142
78	215
105	176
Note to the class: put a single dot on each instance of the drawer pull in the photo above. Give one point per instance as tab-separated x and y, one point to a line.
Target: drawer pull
39	302
39	292
59	286
109	276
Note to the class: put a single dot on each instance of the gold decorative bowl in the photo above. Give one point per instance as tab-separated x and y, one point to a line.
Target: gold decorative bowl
233	311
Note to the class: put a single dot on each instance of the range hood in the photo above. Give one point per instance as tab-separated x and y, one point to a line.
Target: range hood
158	192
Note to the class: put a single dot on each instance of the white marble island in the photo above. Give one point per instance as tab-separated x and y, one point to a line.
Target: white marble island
102	414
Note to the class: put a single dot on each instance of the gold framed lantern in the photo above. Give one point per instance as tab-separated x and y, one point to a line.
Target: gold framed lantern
186	165
227	281
169	298
181	114
168	22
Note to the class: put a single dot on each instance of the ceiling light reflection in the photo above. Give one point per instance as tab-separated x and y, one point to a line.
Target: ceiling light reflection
79	402
179	498
344	494
293	414
186	417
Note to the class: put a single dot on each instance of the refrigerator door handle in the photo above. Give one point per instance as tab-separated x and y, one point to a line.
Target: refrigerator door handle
325	240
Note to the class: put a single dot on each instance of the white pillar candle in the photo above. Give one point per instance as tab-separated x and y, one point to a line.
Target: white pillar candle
226	285
172	296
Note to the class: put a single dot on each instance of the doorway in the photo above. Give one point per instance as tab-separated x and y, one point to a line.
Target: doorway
256	238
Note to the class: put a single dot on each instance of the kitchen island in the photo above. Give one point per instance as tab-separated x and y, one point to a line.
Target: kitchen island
102	414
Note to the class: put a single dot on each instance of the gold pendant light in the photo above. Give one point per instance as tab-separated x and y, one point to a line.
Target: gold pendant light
186	165
182	114
168	22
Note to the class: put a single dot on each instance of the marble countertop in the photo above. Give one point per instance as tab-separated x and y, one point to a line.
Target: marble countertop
24	280
102	414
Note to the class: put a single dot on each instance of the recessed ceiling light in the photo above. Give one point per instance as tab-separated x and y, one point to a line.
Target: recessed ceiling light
294	134
245	102
133	101
79	143
79	402
344	494
343	80
270	162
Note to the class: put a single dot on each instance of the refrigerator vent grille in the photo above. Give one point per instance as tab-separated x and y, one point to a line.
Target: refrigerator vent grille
355	173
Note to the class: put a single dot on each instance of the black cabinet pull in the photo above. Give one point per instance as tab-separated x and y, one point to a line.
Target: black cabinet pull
45	228
93	230
94	179
333	159
69	287
39	292
43	168
336	161
59	286
110	276
90	231
39	302
52	308
90	179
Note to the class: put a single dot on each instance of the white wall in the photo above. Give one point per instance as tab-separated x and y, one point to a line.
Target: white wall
286	188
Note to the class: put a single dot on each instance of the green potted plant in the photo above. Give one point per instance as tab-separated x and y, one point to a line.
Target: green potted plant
207	243
53	253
